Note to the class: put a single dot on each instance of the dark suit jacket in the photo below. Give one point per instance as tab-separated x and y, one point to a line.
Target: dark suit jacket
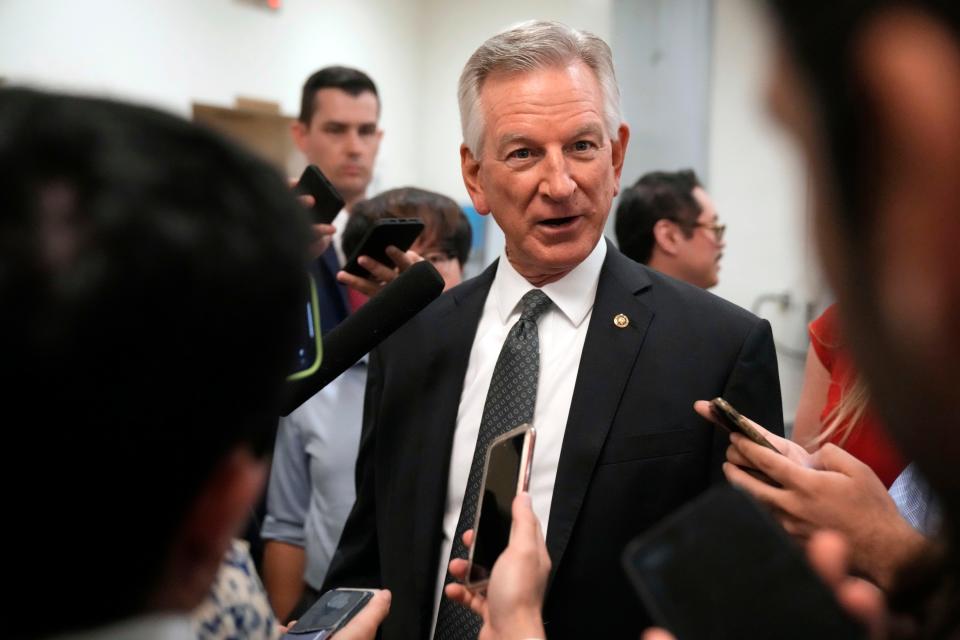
633	450
331	295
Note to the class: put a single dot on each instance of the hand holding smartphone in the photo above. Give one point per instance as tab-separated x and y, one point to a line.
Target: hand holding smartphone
398	232
506	473
726	416
329	614
327	201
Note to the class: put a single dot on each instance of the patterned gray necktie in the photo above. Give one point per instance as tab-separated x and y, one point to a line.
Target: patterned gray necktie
510	403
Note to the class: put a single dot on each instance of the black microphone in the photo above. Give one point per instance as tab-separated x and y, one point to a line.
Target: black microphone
370	325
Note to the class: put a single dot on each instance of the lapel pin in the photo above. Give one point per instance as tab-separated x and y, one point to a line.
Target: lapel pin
621	321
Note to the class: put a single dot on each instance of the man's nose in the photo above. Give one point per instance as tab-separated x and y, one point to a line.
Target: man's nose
556	182
354	142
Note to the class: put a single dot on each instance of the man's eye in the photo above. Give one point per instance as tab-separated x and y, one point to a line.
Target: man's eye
582	145
520	154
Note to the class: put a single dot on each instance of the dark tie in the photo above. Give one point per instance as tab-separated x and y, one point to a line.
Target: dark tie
510	403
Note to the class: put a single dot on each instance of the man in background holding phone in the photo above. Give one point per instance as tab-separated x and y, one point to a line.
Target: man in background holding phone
311	485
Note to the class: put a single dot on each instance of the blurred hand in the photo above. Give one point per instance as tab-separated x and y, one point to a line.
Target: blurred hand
511	607
380	274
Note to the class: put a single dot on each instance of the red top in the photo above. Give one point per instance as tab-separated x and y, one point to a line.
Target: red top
868	441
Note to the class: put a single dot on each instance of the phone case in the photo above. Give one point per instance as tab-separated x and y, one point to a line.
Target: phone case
328	202
399	232
731	420
523	483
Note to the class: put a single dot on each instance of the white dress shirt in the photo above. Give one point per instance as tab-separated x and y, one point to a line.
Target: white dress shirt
562	330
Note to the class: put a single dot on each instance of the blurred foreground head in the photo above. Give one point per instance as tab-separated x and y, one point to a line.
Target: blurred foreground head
150	278
872	92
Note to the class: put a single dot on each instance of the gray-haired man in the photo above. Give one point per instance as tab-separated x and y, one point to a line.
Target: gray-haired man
605	358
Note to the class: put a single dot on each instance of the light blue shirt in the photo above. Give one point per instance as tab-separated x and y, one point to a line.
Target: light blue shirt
915	501
312	485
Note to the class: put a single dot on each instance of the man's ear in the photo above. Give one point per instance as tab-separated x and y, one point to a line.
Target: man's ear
470	167
666	236
908	68
619	153
298	131
213	519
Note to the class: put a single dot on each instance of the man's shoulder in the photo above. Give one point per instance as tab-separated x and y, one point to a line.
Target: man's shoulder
665	293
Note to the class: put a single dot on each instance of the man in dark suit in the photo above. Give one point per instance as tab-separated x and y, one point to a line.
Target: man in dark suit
604	356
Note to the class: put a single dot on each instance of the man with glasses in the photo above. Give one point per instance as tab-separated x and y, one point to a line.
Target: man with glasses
669	223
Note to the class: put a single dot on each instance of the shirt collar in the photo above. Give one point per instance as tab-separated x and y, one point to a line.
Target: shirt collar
573	294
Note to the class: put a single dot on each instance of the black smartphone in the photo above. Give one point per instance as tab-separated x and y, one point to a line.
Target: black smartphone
721	567
730	419
330	613
328	202
399	232
506	472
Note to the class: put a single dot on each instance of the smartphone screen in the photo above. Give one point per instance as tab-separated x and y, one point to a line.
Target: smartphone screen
721	567
507	471
331	611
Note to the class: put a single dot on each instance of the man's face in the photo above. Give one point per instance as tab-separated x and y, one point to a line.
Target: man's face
699	255
342	139
548	170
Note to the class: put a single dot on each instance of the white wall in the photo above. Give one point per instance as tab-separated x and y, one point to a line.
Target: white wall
171	52
758	183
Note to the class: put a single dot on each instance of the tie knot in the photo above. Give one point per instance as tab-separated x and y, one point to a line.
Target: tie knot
534	303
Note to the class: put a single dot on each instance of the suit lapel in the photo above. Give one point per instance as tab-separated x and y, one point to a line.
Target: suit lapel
453	331
609	354
331	264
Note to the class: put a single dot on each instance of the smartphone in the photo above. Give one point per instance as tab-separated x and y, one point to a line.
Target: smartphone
328	202
330	613
721	567
506	472
309	352
399	232
731	420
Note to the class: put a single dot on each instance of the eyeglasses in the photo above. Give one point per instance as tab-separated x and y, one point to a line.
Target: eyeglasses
439	257
718	229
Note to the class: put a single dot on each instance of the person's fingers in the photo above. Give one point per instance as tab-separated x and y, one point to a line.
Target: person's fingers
655	633
403	259
378	271
525	527
306	200
363	285
458	568
779	467
459	593
864	601
828	555
830	457
734	456
759	489
467	537
323	229
364	625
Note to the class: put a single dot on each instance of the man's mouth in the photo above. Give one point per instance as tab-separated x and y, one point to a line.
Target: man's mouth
559	223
